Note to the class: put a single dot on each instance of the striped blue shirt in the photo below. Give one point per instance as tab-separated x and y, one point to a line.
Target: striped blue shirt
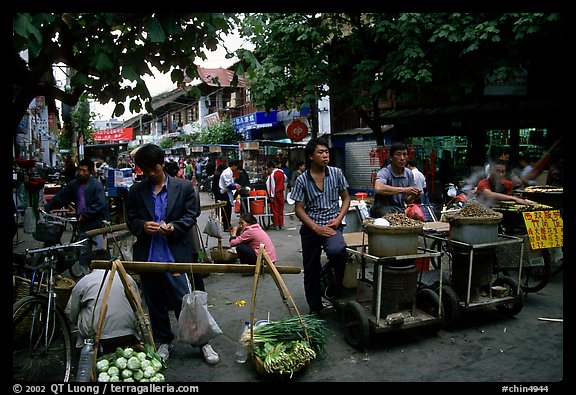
321	206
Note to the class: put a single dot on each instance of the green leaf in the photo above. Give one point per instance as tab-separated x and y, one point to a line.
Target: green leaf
102	62
155	31
24	28
129	73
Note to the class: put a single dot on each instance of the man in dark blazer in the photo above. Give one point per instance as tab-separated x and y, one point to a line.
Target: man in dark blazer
89	197
162	211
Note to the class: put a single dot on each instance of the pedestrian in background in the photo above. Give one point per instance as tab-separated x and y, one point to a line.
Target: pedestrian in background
275	184
419	179
162	211
227	189
247	239
316	195
300	168
87	193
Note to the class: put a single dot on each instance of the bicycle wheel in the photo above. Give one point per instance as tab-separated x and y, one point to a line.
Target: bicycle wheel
41	341
535	278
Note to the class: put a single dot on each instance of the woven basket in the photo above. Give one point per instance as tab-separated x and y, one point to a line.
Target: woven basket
261	371
222	255
63	289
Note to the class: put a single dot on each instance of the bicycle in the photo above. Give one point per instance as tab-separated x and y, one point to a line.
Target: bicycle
53	236
42	346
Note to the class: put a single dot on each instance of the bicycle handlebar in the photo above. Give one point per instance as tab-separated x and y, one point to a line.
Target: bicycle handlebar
76	244
58	218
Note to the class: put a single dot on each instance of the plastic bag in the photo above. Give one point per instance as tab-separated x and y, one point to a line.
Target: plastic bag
414	211
212	228
196	326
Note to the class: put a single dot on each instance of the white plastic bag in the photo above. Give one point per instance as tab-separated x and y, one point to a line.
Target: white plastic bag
212	228
196	326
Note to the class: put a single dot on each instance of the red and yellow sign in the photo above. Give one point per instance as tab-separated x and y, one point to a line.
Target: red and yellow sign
545	228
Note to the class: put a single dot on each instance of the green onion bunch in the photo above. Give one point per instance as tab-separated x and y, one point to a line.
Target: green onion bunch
292	328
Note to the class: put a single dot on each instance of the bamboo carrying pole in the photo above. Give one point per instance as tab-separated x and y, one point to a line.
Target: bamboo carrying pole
186	267
119	227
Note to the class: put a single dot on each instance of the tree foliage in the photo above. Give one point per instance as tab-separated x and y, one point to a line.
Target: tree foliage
360	58
222	132
109	53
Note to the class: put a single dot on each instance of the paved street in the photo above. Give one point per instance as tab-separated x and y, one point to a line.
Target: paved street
484	347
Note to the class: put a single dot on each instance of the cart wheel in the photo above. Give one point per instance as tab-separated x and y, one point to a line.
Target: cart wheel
265	222
451	305
427	301
515	306
355	324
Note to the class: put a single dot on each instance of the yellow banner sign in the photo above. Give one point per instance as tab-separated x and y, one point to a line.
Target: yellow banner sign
545	228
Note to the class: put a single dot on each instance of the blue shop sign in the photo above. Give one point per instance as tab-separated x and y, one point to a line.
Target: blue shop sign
256	120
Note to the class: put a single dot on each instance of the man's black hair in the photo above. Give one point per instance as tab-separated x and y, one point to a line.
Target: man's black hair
88	163
311	147
148	156
397	146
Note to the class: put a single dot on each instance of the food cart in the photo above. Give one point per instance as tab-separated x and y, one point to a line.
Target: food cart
382	300
473	283
537	257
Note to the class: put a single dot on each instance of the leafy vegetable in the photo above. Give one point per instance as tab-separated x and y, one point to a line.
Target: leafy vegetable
291	328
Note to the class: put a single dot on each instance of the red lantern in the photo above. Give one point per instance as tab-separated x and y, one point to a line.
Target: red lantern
297	130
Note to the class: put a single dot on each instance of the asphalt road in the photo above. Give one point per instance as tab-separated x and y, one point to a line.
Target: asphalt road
484	347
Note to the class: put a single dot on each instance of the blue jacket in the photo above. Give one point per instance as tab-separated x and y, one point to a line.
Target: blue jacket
182	211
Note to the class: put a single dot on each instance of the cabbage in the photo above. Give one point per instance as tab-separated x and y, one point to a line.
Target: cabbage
128	352
138	374
145	363
157	377
149	372
126	373
133	363
102	365
157	365
103	377
141	356
128	380
114	378
121	363
113	371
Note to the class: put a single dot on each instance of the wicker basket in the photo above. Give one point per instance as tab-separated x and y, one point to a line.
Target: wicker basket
222	255
261	371
63	289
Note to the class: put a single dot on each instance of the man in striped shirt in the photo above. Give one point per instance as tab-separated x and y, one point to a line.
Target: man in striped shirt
316	194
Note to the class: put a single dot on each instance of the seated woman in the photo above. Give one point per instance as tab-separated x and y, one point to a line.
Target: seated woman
247	238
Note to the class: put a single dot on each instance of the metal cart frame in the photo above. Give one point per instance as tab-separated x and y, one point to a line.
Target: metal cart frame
356	310
500	302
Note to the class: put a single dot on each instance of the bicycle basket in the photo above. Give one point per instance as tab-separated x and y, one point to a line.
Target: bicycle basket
49	232
66	259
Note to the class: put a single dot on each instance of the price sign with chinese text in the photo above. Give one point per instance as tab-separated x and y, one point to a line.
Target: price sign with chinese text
545	228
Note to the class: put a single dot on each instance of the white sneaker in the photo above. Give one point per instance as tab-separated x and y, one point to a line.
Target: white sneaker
210	355
164	351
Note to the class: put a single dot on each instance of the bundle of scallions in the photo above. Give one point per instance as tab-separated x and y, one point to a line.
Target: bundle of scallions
284	346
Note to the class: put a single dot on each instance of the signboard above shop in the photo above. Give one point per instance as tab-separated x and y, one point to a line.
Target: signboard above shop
118	134
255	120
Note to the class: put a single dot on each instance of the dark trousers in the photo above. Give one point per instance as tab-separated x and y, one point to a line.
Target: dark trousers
246	254
312	246
163	292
